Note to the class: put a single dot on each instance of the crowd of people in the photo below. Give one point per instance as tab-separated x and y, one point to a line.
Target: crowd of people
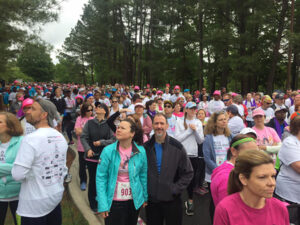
145	147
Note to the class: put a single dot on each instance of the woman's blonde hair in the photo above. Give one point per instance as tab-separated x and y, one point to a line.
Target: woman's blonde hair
211	126
244	164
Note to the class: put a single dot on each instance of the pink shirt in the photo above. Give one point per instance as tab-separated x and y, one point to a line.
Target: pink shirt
80	122
233	211
267	136
180	114
123	175
219	181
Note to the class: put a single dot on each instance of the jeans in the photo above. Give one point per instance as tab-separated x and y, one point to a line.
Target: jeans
122	213
170	212
92	168
13	205
82	167
53	218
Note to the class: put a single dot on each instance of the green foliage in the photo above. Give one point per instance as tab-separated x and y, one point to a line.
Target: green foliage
237	44
35	61
15	17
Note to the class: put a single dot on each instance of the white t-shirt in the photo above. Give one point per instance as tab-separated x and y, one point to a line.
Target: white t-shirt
235	125
12	97
43	152
221	145
288	180
240	108
166	96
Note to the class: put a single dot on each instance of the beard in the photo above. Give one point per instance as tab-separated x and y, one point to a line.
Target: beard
33	121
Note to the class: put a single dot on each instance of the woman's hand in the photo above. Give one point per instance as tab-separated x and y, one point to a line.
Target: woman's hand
193	126
90	153
145	204
96	143
104	214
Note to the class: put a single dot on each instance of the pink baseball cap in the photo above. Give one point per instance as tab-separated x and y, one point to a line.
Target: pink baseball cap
159	92
27	102
216	92
233	94
258	112
136	87
177	87
79	96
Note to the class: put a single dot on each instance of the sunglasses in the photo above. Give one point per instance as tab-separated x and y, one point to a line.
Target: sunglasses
168	106
90	110
114	101
269	103
225	100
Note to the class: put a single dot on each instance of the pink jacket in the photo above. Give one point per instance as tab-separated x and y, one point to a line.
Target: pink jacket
219	181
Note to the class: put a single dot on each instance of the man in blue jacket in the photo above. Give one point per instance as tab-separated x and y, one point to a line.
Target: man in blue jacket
169	174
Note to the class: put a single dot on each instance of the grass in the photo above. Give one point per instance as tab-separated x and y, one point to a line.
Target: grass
70	214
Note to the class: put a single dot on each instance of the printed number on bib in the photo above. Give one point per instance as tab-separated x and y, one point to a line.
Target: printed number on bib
124	191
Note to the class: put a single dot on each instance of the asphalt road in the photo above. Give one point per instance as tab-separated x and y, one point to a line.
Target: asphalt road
201	216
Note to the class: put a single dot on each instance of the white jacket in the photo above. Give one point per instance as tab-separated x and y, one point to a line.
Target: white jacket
189	138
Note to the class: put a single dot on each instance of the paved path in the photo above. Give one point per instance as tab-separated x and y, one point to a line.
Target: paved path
80	199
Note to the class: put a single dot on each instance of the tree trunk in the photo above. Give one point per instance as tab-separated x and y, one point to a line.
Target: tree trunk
275	55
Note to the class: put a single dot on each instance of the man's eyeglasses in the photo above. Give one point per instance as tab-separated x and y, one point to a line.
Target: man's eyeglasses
225	100
168	106
269	103
114	101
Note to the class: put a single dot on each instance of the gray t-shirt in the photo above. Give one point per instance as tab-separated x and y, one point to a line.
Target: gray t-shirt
288	180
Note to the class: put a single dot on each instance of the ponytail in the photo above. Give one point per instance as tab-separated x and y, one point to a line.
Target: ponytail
234	183
184	121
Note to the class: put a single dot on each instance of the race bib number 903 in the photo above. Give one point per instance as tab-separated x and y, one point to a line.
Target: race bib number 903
124	191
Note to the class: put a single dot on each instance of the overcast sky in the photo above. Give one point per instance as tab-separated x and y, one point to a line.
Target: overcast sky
56	32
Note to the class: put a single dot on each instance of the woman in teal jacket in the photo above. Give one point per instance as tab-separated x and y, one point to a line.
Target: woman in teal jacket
121	179
10	140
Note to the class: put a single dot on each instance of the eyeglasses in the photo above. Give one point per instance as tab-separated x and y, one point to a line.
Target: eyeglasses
168	106
114	101
225	100
90	110
268	103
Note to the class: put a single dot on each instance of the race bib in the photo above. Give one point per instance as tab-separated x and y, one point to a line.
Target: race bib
220	160
124	191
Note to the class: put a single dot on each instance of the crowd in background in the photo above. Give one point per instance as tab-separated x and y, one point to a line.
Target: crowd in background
143	147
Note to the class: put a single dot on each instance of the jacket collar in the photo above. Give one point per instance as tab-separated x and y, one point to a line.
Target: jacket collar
135	149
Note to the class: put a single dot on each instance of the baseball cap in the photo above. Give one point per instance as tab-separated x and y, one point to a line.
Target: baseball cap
27	102
186	90
233	109
168	102
50	108
79	96
216	92
177	87
190	105
267	99
136	87
258	112
279	96
279	108
248	130
139	104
